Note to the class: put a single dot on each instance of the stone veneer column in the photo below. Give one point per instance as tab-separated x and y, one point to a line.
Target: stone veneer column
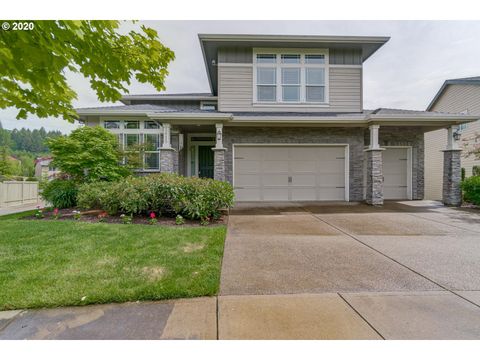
452	176
167	153
219	164
374	194
452	171
219	154
166	160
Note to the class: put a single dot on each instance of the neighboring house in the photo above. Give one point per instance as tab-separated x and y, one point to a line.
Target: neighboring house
455	96
43	168
284	122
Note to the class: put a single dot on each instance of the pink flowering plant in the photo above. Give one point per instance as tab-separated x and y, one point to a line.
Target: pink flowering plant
153	218
56	214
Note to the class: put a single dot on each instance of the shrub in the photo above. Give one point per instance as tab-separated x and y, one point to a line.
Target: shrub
471	189
179	220
98	195
192	198
126	219
61	193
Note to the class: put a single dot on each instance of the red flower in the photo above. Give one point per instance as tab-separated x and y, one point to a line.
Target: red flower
55	211
152	215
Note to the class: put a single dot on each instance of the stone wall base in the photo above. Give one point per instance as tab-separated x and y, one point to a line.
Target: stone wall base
219	164
452	177
374	195
167	160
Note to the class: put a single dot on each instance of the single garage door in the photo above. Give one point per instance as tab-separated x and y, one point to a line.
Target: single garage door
395	172
289	173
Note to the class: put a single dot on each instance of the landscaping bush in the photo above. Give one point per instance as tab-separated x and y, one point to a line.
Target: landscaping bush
61	193
471	189
171	194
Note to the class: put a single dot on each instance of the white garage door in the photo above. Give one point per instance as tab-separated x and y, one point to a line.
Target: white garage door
289	173
395	172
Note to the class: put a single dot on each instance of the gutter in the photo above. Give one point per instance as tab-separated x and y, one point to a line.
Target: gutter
194	116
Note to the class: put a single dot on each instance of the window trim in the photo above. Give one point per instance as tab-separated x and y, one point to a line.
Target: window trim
278	65
140	132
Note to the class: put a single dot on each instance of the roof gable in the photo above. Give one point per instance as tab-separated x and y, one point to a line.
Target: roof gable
475	80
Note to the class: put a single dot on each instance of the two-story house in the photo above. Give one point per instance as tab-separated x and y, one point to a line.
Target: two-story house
285	122
454	96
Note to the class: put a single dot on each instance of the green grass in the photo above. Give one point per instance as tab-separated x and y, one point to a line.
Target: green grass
57	263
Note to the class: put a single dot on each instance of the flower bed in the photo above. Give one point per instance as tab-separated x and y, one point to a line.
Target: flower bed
100	216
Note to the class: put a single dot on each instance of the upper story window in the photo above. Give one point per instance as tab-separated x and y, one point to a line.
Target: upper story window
111	124
291	77
151	125
134	124
208	105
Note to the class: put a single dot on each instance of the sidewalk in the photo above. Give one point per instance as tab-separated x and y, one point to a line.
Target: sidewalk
18	209
328	316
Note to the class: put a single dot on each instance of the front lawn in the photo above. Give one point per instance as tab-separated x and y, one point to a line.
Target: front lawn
58	263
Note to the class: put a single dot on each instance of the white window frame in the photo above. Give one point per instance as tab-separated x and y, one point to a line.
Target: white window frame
302	65
141	132
207	105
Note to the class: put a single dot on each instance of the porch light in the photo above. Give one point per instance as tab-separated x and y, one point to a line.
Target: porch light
456	135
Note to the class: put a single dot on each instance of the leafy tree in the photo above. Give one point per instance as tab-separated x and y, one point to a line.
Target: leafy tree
87	154
5	138
27	165
6	166
33	64
31	141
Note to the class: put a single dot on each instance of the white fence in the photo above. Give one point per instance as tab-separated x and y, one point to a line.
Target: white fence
14	193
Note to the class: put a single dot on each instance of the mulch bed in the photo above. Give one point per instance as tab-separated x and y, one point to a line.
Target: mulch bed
92	216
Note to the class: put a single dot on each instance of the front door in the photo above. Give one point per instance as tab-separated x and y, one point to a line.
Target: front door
205	162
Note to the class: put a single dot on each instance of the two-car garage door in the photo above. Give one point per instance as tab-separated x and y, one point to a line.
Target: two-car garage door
290	173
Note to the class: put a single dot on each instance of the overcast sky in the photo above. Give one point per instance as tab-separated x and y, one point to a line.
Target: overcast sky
405	73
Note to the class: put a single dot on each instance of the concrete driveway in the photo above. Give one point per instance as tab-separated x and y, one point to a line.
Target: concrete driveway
407	270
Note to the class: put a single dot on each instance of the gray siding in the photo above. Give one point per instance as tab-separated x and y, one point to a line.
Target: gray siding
235	85
239	55
244	55
345	56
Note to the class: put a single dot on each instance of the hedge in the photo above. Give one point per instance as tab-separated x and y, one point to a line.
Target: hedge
170	194
471	190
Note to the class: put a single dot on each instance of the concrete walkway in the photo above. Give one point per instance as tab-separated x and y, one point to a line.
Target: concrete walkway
304	271
18	209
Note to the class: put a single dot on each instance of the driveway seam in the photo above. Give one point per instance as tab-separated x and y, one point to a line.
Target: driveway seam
217	316
394	260
443	223
361	316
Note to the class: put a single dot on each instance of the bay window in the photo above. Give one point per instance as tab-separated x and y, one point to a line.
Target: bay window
138	136
291	77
